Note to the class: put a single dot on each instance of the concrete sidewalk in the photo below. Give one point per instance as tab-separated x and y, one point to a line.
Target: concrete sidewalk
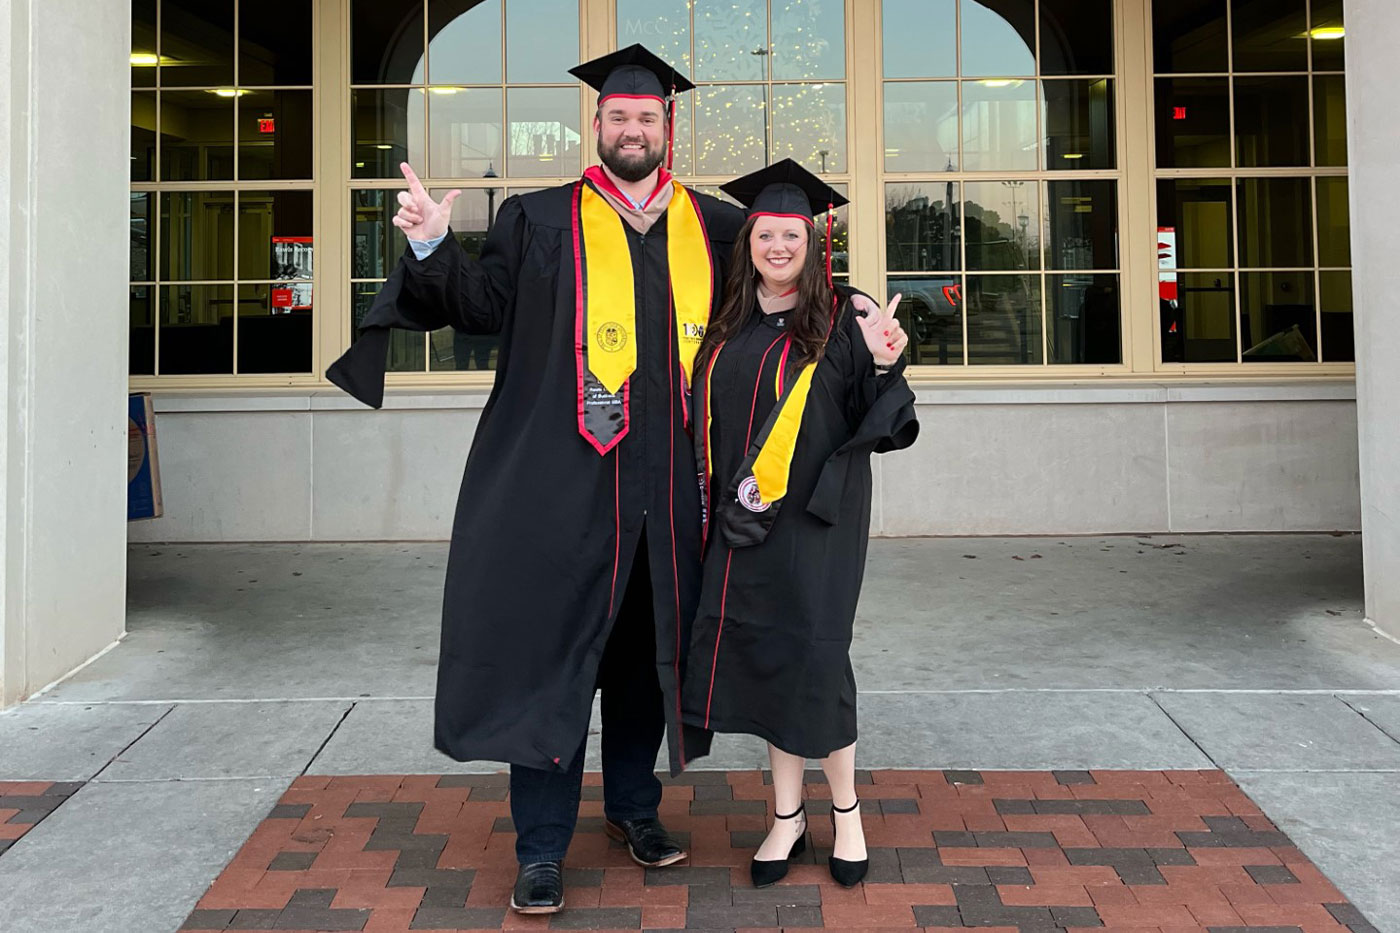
249	665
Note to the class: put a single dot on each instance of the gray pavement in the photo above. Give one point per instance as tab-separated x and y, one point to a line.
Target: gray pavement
247	665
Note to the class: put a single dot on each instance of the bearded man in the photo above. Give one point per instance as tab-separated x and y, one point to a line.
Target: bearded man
575	556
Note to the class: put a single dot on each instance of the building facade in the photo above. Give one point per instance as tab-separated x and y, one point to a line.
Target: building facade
1123	230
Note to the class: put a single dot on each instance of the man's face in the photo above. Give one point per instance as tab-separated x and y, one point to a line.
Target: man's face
631	136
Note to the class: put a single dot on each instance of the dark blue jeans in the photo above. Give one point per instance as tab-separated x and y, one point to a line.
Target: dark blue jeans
544	803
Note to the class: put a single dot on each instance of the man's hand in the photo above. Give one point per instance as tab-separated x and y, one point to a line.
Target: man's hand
883	333
419	216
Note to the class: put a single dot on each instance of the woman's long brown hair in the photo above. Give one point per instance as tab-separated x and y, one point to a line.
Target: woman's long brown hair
808	323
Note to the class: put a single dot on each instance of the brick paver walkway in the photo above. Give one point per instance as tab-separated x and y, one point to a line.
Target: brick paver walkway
1034	852
23	804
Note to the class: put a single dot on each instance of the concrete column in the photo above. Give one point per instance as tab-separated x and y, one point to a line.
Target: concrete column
1373	138
64	110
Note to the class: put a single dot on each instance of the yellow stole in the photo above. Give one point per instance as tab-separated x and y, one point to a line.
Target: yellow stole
606	315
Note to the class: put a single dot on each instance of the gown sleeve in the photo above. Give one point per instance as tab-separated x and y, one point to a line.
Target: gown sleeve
445	289
880	407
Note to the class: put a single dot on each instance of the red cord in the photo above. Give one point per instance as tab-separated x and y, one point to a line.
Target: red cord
830	210
671	131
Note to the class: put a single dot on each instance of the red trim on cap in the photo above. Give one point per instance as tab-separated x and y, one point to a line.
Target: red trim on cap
656	97
809	220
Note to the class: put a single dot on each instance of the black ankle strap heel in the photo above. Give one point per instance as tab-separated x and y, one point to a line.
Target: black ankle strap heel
771	871
846	873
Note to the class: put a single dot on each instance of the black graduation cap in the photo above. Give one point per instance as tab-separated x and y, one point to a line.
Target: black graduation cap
784	188
634	72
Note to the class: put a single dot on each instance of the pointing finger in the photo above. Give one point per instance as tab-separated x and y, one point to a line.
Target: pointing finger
414	185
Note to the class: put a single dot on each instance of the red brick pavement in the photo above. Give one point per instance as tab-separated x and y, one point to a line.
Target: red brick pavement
24	804
1014	852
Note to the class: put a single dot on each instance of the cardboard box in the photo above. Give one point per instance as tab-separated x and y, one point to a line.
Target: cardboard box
143	499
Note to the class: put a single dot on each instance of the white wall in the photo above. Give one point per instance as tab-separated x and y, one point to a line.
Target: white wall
64	139
989	461
1373	135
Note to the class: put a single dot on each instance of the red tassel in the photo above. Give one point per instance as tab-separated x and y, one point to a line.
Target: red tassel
830	210
671	130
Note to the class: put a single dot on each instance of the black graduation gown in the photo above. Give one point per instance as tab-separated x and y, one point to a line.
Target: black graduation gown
770	649
546	528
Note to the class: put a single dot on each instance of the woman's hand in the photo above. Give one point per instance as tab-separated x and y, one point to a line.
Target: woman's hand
884	336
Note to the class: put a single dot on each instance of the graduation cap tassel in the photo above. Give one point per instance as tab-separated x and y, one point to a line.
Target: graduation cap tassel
671	130
830	210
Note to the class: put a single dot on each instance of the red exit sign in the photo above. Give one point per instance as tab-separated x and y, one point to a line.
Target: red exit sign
1178	113
267	125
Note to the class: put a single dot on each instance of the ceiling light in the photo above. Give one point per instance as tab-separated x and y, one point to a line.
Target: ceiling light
1002	82
228	91
383	146
145	59
1328	32
1073	155
443	89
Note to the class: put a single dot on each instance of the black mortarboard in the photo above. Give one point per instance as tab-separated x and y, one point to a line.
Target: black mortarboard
631	72
786	189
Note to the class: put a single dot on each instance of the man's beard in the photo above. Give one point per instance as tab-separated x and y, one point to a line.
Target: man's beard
631	166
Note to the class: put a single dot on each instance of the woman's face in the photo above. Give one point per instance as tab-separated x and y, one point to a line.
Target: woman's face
778	248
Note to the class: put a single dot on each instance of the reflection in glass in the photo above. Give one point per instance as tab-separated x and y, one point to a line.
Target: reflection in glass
543	133
931	313
196	43
465	128
998	37
1330	119
1002	222
274	135
143	43
274	235
1193	122
684	153
1079	125
274	328
1197	317
376	244
196	135
809	125
1333	222
1085	319
141	358
274	42
1334	297
1195	224
196	329
196	235
1076	37
473	214
541	40
1275	223
730	137
386	41
921	227
920	38
1270	35
841	236
809	40
921	126
387	129
1083	222
1328	40
1189	36
661	25
1003	320
731	40
1278	321
1271	121
464	42
999	126
143	135
140	222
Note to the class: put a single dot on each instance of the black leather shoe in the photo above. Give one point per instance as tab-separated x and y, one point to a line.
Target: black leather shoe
846	873
771	871
647	841
539	889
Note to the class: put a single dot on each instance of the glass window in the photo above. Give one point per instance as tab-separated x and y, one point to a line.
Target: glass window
196	329
931	312
730	133
1076	37
1004	320
142	343
1193	122
1328	33
143	135
275	45
1268	131
465	47
731	40
998	37
539	55
196	235
1330	120
196	43
387	128
386	41
1190	36
922	232
1334	300
1001	221
920	39
1082	225
196	135
1333	222
467	141
1198	317
921	126
809	41
1078	123
1278	319
1269	35
274	134
999	126
1275	222
1195	223
1084	319
809	125
543	132
144	57
274	235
